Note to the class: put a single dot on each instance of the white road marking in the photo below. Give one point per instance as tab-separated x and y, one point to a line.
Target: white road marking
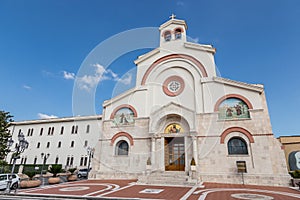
189	193
203	195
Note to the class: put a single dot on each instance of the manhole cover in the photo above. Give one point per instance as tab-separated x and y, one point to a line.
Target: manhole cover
151	191
251	196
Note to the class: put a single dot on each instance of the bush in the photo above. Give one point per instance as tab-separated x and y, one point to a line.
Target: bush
72	170
55	169
295	174
193	161
30	174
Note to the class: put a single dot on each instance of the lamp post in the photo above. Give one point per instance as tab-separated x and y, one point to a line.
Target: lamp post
90	152
44	157
19	148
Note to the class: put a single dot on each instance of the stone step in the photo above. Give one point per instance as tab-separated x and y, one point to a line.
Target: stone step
166	178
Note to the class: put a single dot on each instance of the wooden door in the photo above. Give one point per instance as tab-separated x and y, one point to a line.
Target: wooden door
174	154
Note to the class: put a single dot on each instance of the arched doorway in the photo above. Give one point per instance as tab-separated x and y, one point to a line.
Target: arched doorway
174	148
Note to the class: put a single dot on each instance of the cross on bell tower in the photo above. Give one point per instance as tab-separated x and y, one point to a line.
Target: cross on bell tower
172	16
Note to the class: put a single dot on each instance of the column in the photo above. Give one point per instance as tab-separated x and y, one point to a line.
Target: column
162	154
195	149
153	151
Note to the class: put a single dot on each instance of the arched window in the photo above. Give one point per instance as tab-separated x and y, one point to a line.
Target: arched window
122	148
167	36
177	34
237	146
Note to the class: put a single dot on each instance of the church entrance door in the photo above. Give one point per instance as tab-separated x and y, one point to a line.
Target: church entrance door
174	154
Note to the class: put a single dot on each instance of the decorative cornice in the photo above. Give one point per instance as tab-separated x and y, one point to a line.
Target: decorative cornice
123	95
201	47
254	87
58	120
145	56
173	21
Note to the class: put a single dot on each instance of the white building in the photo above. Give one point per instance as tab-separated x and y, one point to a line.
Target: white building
179	110
65	139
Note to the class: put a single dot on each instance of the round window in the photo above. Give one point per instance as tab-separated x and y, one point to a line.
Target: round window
173	86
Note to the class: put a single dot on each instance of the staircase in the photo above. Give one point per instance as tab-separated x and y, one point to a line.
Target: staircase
166	178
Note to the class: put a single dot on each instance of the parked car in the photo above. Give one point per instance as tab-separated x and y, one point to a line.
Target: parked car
82	173
15	181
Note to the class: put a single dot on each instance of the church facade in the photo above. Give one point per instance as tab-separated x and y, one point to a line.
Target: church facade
180	120
181	112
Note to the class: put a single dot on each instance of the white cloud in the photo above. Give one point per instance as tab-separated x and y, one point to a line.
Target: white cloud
126	80
45	116
195	40
27	87
69	75
87	82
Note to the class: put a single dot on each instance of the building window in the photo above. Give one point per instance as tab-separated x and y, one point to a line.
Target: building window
177	34
85	160
22	159
74	129
122	148
237	146
38	145
48	144
72	144
25	160
34	161
62	130
56	160
81	161
71	161
167	36
85	143
41	131
59	144
87	128
68	161
52	131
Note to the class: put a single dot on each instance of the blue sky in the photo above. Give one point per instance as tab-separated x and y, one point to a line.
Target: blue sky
44	43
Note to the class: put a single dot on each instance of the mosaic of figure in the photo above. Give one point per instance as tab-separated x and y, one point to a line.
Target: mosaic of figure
173	128
124	116
232	108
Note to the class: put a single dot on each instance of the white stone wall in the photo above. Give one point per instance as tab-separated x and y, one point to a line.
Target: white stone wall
77	151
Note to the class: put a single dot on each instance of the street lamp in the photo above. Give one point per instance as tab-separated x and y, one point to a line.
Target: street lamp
44	157
19	148
90	152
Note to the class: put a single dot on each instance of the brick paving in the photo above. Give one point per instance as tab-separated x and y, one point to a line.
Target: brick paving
129	189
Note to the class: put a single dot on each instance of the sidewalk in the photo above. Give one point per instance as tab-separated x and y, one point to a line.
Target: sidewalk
129	189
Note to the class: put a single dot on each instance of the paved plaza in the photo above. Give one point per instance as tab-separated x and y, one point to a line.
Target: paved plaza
130	189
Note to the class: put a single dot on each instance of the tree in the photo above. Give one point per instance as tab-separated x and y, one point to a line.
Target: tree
5	119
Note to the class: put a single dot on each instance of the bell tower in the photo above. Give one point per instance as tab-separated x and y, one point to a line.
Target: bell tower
173	31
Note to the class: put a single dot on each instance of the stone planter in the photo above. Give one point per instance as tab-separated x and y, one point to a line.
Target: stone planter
54	180
72	177
30	183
